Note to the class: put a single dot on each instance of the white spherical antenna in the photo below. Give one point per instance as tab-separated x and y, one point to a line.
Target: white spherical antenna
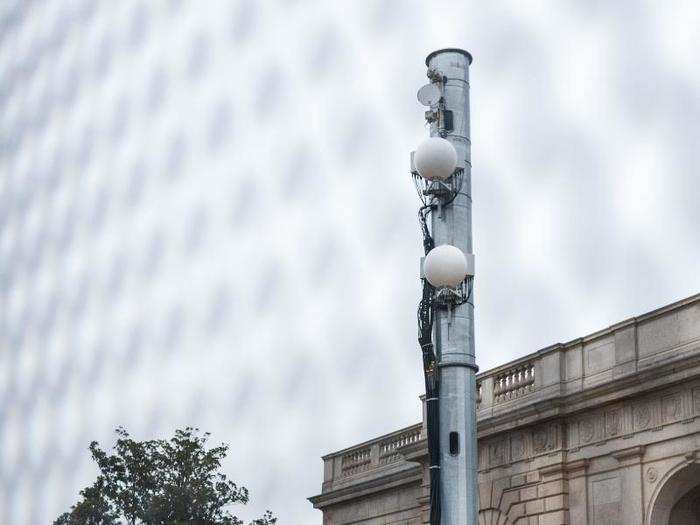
445	265
435	158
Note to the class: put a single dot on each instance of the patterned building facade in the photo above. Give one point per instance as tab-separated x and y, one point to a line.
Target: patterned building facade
145	249
602	430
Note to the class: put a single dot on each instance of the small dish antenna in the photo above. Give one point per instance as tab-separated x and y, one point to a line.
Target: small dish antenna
429	95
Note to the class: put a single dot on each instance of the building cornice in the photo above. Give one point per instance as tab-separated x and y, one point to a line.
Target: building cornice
599	334
638	383
406	473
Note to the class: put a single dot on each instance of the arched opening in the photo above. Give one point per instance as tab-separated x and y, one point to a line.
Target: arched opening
678	501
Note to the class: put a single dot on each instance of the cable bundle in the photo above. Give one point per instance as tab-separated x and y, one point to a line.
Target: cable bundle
432	377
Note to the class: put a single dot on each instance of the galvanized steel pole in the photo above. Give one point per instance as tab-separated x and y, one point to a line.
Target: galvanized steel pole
454	331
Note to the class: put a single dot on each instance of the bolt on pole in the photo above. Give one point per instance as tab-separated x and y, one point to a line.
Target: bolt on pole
454	328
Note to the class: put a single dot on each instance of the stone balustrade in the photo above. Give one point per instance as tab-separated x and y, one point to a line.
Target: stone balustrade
514	382
355	462
388	448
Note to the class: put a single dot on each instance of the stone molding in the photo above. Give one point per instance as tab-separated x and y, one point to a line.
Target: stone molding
629	455
408	474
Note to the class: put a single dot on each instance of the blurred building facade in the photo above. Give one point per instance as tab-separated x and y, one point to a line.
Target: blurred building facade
141	239
604	429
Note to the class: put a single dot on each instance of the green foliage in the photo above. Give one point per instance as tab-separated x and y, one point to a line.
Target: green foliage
160	482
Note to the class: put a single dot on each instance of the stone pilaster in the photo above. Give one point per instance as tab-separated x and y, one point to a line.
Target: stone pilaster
553	495
630	460
578	492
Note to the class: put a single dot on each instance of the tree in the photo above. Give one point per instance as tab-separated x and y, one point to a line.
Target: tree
160	482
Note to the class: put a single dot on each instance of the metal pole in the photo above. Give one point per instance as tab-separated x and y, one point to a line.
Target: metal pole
454	330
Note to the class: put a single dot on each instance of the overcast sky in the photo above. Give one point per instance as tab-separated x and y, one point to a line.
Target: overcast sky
207	219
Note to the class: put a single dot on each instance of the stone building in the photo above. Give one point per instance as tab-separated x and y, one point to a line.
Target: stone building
604	429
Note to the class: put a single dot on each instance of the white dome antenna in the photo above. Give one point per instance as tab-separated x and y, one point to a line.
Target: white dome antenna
447	266
435	159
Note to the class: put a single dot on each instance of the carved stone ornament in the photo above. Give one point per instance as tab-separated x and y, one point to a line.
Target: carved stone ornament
672	407
540	439
652	474
696	399
642	416
517	446
587	430
497	453
613	422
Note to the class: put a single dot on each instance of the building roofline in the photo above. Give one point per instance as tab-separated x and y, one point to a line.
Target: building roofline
648	316
371	441
597	334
